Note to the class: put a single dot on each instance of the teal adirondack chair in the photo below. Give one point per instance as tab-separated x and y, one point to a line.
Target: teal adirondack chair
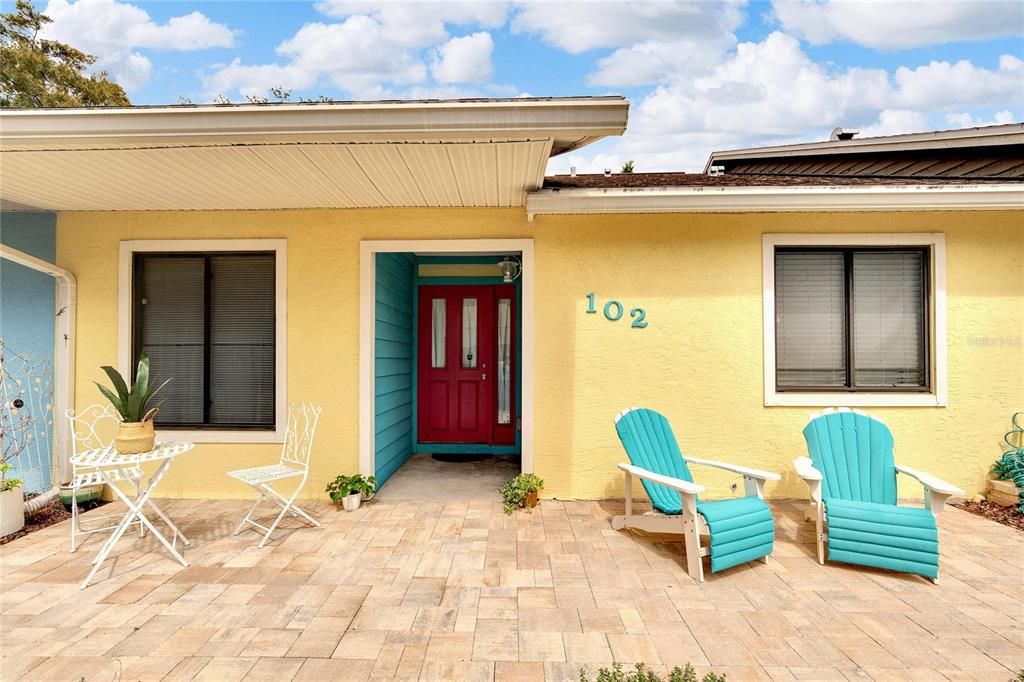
852	477
740	529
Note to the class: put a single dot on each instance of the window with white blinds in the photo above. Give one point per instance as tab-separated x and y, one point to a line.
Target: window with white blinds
851	319
207	320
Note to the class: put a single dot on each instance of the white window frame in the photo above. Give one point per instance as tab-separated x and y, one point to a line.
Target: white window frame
124	328
937	397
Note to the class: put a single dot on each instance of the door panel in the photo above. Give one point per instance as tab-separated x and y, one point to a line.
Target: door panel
455	348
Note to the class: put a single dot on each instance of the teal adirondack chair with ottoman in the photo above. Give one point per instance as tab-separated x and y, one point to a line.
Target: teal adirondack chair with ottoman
740	529
851	473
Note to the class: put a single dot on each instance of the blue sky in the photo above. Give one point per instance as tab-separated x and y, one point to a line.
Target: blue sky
700	75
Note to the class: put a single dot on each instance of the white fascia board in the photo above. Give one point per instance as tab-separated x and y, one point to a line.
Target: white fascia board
570	121
777	199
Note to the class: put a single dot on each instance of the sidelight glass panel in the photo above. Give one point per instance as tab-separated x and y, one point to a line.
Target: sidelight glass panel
438	317
504	361
469	358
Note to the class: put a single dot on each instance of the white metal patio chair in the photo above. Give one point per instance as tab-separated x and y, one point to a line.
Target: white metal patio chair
92	428
295	454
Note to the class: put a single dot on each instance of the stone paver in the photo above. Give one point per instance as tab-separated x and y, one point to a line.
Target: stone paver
457	590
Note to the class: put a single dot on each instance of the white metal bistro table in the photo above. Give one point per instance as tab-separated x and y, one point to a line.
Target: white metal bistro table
106	461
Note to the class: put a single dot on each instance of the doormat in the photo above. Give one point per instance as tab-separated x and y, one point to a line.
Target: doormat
459	458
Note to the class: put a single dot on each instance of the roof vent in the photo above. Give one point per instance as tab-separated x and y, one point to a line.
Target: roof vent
572	171
843	134
716	170
607	172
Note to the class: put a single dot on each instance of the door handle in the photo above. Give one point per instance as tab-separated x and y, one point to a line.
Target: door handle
483	377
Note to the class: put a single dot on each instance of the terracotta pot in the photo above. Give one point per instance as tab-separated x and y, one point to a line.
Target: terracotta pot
12	511
134	437
531	499
351	502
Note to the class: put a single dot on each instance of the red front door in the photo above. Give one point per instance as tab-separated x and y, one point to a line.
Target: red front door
458	351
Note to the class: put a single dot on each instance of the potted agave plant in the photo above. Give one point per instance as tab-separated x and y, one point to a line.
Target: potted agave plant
135	432
350	490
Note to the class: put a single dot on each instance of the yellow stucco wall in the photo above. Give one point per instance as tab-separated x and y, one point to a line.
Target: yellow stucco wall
699	361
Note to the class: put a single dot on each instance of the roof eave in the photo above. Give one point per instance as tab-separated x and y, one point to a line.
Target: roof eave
833	198
1006	134
569	122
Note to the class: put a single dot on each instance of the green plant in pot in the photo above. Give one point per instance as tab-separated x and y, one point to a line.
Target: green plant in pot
135	433
12	501
521	491
349	491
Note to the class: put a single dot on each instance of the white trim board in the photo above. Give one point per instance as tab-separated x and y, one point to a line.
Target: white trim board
368	251
124	328
748	199
938	397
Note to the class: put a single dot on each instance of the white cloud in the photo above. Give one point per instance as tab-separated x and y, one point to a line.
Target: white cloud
113	31
967	120
772	92
375	50
896	122
942	85
421	22
651	41
466	59
894	25
578	26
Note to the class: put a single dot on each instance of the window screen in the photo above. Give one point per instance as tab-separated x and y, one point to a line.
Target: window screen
851	319
208	321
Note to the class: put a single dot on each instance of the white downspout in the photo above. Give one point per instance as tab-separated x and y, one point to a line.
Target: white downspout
64	367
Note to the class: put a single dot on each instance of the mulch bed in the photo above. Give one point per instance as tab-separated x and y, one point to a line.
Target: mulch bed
1008	516
47	516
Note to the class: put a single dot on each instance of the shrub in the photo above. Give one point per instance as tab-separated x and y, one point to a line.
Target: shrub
641	674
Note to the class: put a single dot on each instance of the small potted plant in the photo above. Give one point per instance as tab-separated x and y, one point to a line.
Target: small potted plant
351	490
135	432
12	502
521	491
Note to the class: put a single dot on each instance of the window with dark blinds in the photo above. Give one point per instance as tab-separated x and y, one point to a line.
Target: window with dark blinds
810	308
208	322
851	319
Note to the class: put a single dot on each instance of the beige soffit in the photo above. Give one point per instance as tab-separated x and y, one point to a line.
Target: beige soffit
316	155
987	196
984	136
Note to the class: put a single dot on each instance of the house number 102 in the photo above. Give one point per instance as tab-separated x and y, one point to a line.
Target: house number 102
613	310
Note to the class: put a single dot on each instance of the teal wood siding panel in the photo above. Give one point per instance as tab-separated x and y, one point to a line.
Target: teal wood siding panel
393	363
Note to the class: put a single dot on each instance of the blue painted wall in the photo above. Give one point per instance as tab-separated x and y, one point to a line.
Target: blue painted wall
27	307
393	421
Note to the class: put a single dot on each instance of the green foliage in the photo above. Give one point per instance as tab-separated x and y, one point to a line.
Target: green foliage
35	72
515	489
641	674
132	403
343	486
627	167
5	482
1010	467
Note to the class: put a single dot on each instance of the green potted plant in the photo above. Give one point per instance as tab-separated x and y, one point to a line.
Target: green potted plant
521	491
12	501
135	433
350	490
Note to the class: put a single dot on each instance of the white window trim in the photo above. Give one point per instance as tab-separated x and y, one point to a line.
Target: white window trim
124	328
936	243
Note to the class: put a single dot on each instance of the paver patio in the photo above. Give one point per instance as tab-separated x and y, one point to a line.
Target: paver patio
433	591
